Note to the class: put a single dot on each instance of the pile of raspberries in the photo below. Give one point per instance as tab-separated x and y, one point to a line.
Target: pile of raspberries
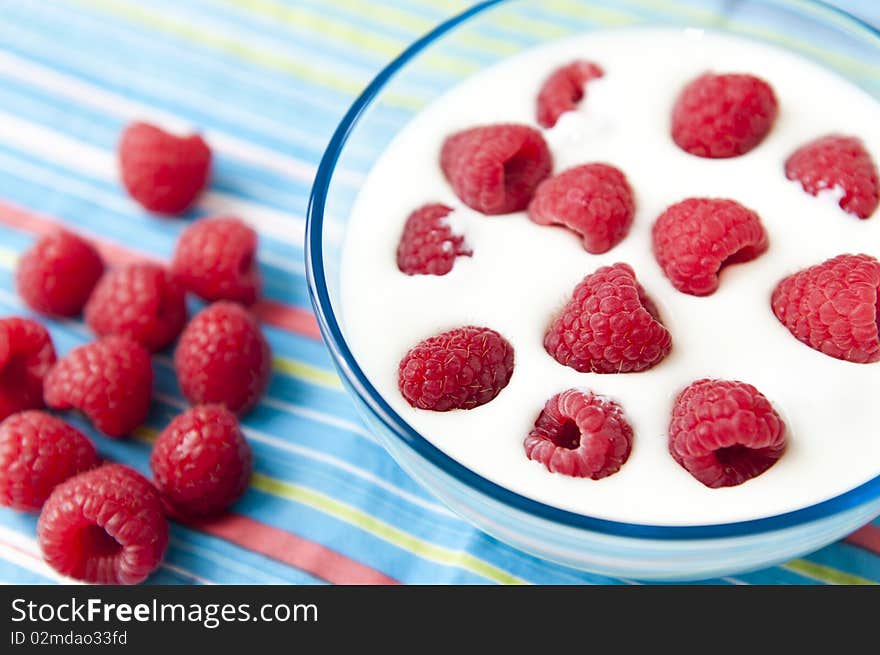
104	522
723	432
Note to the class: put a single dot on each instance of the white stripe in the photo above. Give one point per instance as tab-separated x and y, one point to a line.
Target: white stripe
223	561
94	162
262	437
30	558
87	94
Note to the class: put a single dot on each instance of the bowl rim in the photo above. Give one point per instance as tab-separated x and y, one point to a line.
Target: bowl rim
358	382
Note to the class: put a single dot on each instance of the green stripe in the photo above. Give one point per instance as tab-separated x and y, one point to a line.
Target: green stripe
825	573
383	530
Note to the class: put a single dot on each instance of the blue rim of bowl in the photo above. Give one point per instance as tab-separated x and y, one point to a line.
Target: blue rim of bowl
347	364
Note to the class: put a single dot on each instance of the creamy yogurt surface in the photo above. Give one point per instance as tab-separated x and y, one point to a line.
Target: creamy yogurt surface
521	274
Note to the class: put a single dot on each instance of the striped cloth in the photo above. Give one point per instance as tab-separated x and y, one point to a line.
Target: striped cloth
267	81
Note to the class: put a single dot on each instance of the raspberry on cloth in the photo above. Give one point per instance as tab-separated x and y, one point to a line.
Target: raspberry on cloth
223	357
834	307
104	526
462	368
163	172
109	380
37	452
428	245
142	302
57	274
594	201
837	164
564	90
580	434
495	169
696	238
201	462
26	355
720	116
216	259
609	326
725	432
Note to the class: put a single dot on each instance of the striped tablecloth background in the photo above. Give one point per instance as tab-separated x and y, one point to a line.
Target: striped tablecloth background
267	81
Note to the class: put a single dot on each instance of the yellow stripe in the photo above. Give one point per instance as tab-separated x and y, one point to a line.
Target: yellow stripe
382	530
418	25
289	65
302	19
825	573
601	15
8	259
366	522
307	372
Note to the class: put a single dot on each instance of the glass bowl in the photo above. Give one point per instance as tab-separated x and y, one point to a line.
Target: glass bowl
464	45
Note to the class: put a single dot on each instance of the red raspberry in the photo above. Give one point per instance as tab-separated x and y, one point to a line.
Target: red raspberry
839	163
581	435
593	200
609	326
142	302
104	526
201	462
38	452
165	173
58	273
459	369
696	238
834	307
109	380
564	89
216	260
720	116
428	246
725	432
26	355
496	168
223	357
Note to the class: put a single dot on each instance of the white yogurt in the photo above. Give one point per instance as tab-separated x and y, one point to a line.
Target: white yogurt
521	274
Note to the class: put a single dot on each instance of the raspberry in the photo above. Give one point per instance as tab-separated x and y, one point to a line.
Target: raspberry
581	435
696	238
26	355
428	246
163	172
104	526
593	200
459	369
834	307
223	357
142	302
609	326
721	116
837	163
495	168
725	432
201	462
38	452
109	380
58	273
564	89
216	260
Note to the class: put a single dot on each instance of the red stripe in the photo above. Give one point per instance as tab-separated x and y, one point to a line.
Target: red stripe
867	537
285	317
290	549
